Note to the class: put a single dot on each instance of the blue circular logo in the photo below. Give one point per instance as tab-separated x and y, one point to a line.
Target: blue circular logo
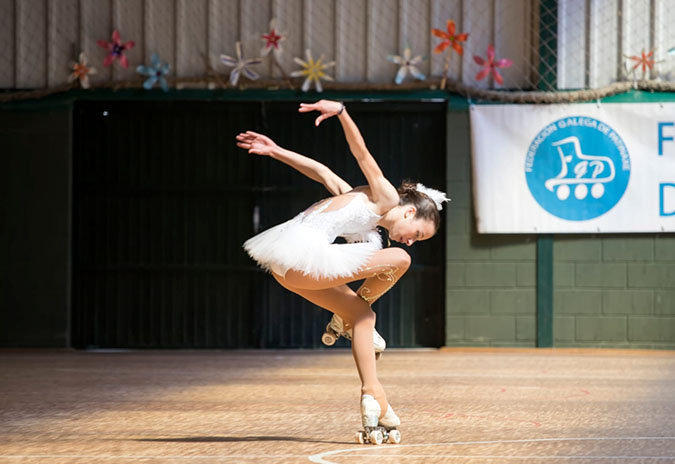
577	168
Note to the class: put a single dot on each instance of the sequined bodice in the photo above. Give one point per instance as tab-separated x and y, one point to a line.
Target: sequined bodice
354	221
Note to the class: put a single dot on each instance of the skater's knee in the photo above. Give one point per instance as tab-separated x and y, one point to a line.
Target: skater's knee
401	258
366	316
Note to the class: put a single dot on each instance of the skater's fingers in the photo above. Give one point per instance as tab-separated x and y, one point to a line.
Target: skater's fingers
306	107
323	116
243	145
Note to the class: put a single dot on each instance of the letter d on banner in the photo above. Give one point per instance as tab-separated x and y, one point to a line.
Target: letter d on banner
662	200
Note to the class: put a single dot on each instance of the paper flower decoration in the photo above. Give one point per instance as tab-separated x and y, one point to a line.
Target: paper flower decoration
490	65
313	70
407	65
156	72
272	40
450	38
81	72
240	65
116	49
645	61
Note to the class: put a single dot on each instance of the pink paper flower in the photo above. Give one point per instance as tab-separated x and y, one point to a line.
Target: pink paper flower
116	49
490	66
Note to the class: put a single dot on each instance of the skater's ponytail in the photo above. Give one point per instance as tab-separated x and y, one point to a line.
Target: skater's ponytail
428	202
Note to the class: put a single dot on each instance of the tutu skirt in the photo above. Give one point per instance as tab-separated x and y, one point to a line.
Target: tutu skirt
304	247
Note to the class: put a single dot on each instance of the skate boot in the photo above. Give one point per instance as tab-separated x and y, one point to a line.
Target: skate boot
375	430
336	328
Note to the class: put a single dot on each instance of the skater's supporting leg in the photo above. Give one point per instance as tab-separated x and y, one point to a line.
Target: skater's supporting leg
344	302
386	266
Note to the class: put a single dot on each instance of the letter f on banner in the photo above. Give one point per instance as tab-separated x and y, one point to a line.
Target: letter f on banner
664	138
662	200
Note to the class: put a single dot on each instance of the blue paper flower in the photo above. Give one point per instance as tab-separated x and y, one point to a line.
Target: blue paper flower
407	64
155	72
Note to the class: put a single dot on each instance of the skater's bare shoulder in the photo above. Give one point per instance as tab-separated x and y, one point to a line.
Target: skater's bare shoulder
379	208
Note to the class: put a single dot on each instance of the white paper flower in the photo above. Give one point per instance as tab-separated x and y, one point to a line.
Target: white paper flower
81	72
408	65
240	65
313	70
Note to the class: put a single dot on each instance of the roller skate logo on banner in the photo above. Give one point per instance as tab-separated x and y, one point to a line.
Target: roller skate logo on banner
577	168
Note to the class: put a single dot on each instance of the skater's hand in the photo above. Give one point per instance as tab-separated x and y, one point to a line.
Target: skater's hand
256	143
327	108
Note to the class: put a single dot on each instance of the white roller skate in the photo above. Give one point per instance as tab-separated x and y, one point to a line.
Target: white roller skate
377	431
336	328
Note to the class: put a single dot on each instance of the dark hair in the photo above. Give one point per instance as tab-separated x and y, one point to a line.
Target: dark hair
425	206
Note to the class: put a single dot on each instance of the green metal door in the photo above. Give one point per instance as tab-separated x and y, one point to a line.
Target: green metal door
163	200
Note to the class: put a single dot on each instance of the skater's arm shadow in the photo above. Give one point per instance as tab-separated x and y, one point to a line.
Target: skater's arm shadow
216	439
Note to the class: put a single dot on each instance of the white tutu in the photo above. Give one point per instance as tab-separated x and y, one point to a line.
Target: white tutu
305	243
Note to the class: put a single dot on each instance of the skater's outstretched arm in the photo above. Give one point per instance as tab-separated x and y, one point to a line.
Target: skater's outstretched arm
265	146
383	192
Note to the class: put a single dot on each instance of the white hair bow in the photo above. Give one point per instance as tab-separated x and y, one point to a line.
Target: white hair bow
436	195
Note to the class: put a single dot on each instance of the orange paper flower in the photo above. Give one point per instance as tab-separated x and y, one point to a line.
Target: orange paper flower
646	60
450	38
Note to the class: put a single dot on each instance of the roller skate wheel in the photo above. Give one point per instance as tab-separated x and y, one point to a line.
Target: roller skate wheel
394	437
328	339
376	437
360	437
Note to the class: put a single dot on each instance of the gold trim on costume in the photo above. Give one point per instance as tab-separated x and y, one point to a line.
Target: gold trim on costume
388	274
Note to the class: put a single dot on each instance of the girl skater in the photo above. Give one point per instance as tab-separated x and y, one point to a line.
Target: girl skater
302	257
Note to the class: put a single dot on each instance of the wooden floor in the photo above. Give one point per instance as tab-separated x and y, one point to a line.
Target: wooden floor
468	406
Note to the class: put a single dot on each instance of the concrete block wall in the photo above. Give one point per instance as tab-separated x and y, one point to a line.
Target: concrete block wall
490	280
614	291
609	290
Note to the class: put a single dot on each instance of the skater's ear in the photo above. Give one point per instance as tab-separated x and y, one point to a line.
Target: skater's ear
409	212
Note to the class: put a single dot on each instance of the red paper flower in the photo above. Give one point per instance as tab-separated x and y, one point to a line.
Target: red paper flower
449	38
490	66
646	60
116	49
272	40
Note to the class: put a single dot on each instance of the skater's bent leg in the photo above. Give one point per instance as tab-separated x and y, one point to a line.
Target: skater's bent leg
344	302
387	261
384	276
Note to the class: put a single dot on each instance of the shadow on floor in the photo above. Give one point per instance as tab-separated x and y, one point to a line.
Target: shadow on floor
237	439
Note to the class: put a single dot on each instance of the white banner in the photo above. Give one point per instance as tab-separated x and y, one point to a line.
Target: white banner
583	168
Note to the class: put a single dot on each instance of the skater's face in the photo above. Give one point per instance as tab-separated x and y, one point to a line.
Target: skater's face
408	229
